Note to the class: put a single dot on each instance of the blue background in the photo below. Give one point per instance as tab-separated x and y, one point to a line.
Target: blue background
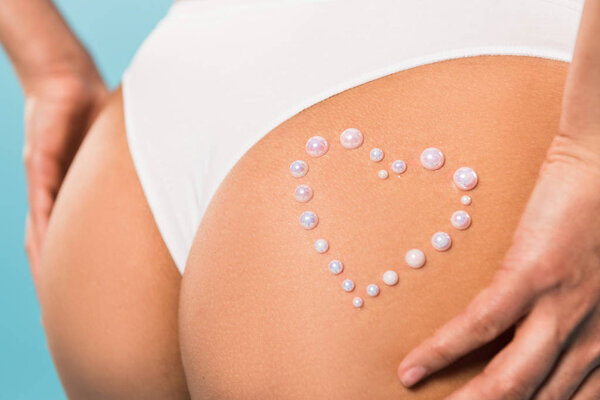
112	30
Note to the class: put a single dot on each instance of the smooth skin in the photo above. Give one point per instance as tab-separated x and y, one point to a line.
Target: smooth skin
260	315
555	248
109	289
549	282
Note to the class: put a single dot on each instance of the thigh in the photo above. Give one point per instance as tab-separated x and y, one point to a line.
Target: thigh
109	289
261	316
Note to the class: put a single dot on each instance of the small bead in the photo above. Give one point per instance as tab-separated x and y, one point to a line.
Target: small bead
441	241
316	146
399	167
376	154
336	266
357	302
390	278
348	285
351	138
466	200
432	158
460	220
298	168
372	290
415	258
321	246
382	174
465	178
303	193
308	219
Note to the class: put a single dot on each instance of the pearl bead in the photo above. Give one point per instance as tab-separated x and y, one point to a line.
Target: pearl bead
351	138
316	146
465	178
460	220
336	266
376	155
382	174
398	166
357	302
303	193
298	168
432	158
348	285
465	200
415	258
372	290
390	278
308	219
441	241
321	246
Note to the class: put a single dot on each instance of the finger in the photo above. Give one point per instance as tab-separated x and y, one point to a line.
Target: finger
517	371
43	182
493	311
40	206
590	388
32	249
575	364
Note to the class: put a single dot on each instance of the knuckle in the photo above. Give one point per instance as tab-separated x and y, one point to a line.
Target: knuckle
511	387
28	249
484	325
442	350
538	269
27	156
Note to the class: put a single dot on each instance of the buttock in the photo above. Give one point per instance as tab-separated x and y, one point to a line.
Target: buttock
263	316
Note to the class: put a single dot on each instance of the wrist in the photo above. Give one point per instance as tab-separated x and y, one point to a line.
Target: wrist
68	65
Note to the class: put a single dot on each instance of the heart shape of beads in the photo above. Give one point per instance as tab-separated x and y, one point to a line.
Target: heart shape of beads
464	178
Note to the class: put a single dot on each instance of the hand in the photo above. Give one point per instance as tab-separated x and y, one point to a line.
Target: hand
59	108
548	286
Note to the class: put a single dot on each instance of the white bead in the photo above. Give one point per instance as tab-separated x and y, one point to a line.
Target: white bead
298	168
465	178
382	174
432	158
348	285
316	146
351	138
441	241
390	278
460	220
376	154
398	166
372	290
415	258
465	200
303	193
321	246
336	266
357	302
308	219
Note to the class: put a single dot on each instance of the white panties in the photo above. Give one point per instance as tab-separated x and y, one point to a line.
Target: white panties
215	76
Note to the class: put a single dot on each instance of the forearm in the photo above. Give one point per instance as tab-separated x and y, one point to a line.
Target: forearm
39	42
581	100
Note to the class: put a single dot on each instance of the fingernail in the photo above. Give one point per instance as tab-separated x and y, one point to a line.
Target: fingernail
413	375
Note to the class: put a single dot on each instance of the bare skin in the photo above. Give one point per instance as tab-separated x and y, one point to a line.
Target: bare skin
260	315
537	288
109	289
63	94
549	281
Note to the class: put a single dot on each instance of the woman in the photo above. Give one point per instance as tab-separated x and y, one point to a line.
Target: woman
175	265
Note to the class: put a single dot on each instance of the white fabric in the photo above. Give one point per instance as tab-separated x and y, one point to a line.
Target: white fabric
215	76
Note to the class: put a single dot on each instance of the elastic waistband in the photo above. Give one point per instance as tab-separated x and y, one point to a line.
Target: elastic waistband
193	8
